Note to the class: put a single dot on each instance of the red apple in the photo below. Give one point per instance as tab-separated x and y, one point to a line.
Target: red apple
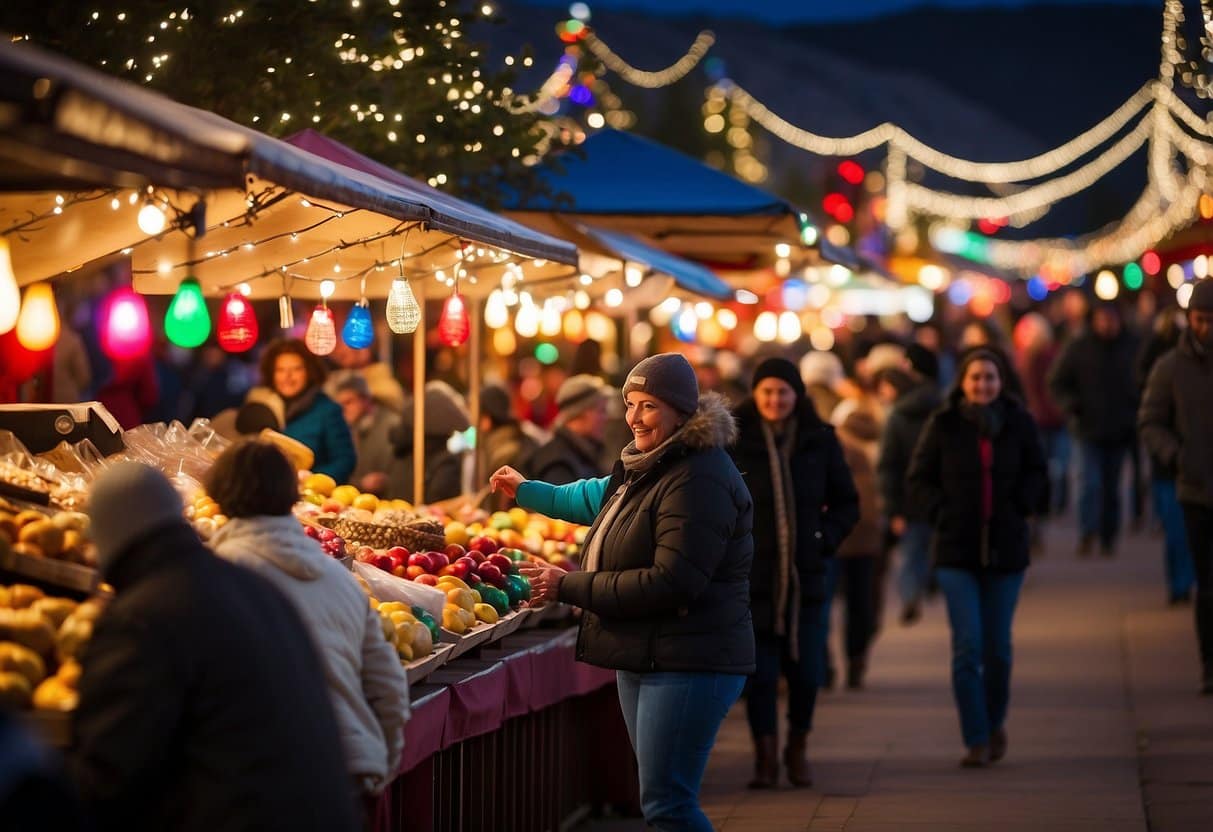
483	544
459	570
440	560
476	556
399	552
473	580
502	562
492	575
382	562
413	572
427	579
454	551
365	553
422	560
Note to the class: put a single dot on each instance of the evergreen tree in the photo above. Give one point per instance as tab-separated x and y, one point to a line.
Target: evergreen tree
399	80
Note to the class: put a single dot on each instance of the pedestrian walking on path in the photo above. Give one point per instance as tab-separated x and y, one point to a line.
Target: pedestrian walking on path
804	505
665	583
1176	422
978	472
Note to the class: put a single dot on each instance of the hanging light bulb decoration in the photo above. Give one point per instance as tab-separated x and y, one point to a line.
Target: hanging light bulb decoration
526	319
10	295
286	313
126	332
187	323
38	323
359	330
237	330
496	312
321	336
403	313
454	325
151	218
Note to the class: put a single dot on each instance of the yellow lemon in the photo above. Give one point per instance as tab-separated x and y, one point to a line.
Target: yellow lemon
367	502
519	517
456	532
345	494
486	613
320	483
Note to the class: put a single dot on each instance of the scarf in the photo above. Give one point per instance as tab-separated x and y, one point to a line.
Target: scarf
787	580
635	463
296	405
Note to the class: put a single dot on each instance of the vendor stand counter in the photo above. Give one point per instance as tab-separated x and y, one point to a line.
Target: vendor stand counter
520	736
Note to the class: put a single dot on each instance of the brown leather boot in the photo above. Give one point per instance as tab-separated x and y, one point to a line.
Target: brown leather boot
766	763
799	773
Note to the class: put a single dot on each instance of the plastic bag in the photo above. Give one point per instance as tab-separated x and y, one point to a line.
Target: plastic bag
387	587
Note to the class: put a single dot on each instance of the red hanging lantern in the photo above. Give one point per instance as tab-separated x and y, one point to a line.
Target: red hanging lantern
454	326
237	330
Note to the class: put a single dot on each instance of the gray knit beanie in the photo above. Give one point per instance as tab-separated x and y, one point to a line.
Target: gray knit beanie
129	501
1202	296
667	376
576	395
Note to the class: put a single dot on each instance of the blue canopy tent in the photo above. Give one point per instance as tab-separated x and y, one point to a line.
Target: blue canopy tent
622	182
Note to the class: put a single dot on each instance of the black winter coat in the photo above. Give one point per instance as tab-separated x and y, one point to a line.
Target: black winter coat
945	484
203	705
901	431
827	505
1093	381
1176	419
566	458
672	591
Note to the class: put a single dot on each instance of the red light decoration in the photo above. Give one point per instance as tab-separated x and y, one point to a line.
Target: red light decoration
237	324
454	326
844	213
126	331
1151	263
831	202
851	171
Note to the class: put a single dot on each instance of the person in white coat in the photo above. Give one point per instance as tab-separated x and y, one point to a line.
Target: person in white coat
256	487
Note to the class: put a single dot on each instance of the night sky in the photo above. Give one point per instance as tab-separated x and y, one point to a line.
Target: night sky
782	11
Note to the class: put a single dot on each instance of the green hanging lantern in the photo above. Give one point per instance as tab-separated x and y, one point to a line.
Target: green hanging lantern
187	323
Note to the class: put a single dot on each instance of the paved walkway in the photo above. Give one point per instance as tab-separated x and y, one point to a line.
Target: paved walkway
1106	730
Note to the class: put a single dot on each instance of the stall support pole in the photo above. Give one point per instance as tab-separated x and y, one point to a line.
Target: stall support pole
475	309
419	400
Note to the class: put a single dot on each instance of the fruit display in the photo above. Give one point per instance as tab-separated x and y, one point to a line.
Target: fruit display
44	486
521	535
331	542
205	515
59	536
411	630
41	640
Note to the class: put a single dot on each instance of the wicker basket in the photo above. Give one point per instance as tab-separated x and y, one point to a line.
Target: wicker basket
423	536
375	535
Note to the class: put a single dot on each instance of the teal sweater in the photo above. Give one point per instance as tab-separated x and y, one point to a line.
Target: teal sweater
576	502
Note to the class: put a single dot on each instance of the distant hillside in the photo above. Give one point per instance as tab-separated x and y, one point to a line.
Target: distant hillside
987	84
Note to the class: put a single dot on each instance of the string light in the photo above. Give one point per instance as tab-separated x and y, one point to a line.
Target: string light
454	326
38	323
151	219
126	332
651	80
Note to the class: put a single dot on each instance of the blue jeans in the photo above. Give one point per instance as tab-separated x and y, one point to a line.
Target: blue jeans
1057	452
915	562
672	721
980	608
1175	548
858	574
1100	465
804	675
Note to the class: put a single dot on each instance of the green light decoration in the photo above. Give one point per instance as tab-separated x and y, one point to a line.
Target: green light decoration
546	353
187	323
1133	277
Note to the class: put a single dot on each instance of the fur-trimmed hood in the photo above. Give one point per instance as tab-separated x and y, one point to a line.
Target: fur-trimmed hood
711	426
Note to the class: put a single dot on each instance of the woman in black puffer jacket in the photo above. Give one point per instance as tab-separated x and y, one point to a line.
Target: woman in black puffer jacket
804	505
665	587
977	473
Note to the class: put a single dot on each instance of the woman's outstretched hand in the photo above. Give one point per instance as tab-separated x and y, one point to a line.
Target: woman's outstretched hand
545	581
506	480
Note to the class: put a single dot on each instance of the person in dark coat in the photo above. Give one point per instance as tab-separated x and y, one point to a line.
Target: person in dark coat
1176	420
203	705
290	369
977	473
804	505
1177	557
1093	383
504	439
665	587
445	413
575	450
917	397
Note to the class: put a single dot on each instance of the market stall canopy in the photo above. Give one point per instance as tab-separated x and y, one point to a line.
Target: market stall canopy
623	182
277	217
687	275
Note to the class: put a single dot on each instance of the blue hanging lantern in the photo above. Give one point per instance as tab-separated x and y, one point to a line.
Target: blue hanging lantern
358	331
